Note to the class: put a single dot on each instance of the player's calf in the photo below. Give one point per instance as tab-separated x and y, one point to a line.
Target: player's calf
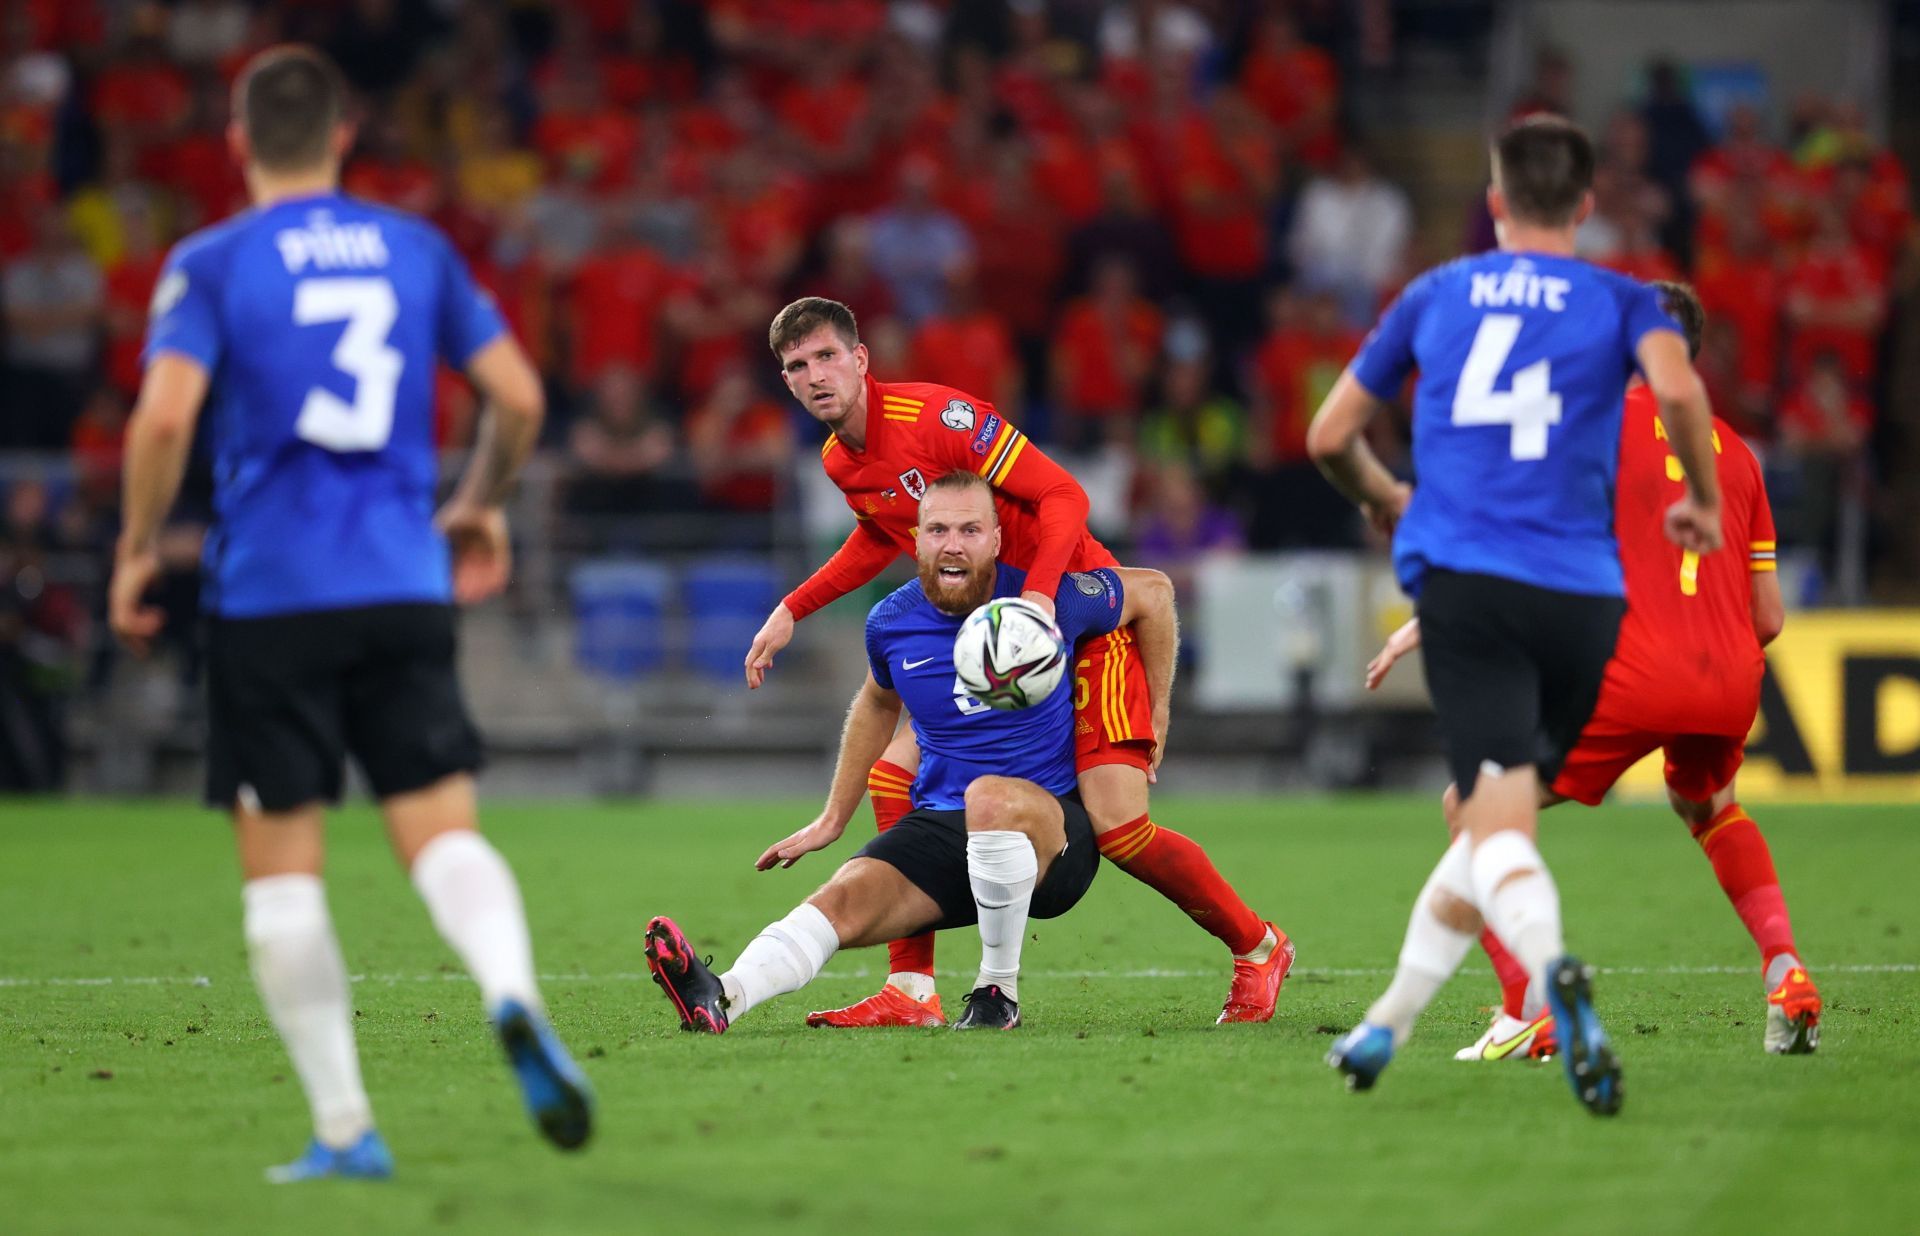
1743	865
909	960
1010	823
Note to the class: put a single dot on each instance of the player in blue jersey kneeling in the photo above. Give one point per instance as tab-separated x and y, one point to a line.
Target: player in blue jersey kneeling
998	834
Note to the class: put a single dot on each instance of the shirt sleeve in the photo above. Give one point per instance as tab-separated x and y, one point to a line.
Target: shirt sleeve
469	320
1386	356
184	315
1088	603
1016	467
1645	314
1761	547
877	648
859	560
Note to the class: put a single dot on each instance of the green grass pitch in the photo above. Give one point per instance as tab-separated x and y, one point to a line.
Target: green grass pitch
143	1090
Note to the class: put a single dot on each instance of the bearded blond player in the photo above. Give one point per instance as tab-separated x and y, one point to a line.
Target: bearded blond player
889	441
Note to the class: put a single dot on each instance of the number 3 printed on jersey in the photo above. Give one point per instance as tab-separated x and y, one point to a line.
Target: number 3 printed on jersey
369	308
1529	406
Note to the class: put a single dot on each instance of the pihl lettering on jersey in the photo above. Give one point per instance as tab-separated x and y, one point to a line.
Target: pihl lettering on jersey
326	245
1515	288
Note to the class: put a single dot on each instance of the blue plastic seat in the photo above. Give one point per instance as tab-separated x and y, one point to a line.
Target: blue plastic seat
619	608
727	599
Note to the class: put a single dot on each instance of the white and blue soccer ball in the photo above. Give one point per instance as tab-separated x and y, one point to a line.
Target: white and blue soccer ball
1009	654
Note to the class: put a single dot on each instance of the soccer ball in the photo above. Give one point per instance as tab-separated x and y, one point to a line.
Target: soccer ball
1009	654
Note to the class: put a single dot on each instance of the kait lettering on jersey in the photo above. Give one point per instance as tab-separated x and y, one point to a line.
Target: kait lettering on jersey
325	245
1516	288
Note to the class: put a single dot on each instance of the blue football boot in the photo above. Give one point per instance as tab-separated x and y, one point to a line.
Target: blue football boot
1592	1069
1363	1053
366	1159
555	1090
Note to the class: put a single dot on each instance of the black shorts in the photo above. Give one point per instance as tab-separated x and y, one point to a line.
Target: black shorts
930	849
291	696
1514	670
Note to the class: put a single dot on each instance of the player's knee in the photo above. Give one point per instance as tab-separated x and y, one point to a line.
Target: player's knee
1692	813
994	803
838	899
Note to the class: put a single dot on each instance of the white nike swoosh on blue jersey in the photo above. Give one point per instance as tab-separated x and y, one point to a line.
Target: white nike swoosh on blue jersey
907	665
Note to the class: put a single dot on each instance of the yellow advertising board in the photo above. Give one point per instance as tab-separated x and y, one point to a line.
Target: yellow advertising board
1839	714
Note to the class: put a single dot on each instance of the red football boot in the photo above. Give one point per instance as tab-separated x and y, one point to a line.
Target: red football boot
887	1007
1256	985
1793	1016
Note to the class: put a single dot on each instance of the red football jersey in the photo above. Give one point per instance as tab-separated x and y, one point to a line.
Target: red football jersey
918	432
1688	660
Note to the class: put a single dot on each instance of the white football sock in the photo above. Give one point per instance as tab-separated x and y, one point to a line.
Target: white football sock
475	904
1431	952
913	983
303	983
1002	868
1523	910
784	957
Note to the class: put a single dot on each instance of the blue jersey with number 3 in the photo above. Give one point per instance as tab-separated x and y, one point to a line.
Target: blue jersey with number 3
320	321
910	651
1523	361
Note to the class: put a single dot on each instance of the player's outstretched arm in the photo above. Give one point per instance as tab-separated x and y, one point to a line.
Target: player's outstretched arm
871	721
1337	443
1398	645
1149	606
1693	522
1060	506
473	520
858	562
159	440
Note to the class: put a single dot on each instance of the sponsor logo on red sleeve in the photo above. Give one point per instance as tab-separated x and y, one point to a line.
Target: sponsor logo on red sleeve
984	438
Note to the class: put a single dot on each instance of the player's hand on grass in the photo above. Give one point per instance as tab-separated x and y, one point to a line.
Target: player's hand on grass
133	622
482	551
1398	645
1041	599
775	633
818	835
1693	525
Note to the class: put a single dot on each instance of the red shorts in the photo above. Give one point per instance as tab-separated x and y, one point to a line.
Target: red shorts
1112	710
1698	765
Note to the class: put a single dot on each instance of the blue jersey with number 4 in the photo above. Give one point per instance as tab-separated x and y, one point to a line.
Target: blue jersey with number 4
320	321
910	651
1523	360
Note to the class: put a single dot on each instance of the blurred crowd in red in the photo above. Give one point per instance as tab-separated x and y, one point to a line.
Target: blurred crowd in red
1795	247
1141	226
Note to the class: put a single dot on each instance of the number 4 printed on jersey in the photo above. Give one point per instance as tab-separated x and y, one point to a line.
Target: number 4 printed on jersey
1529	406
369	308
